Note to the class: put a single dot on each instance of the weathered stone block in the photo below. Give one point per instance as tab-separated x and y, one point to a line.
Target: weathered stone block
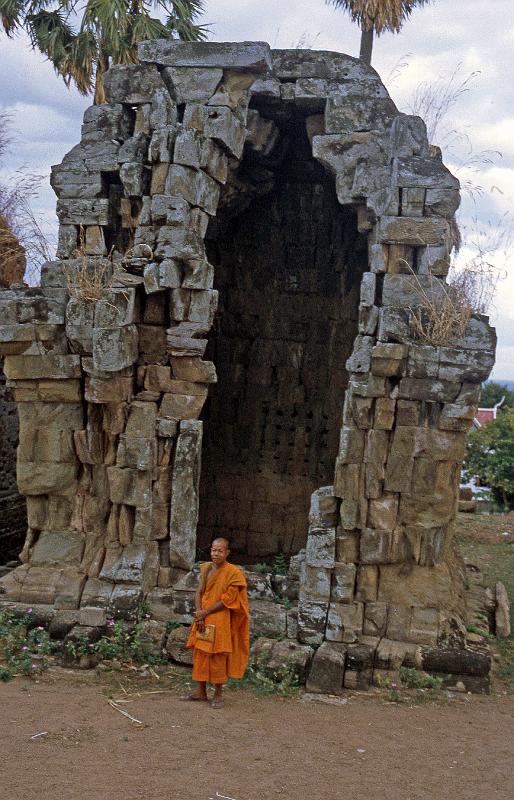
343	583
184	495
479	335
465	365
384	413
125	566
192	85
283	655
367	584
115	348
423	172
194	186
129	486
415	231
327	671
132	83
424	626
375	546
267	619
53	549
351	446
176	646
456	417
32	367
360	360
254	56
344	622
375	619
357	112
323	508
321	547
428	389
315	583
44	478
382	512
502	612
116	309
312	618
181	406
94	211
427	587
388	359
222	125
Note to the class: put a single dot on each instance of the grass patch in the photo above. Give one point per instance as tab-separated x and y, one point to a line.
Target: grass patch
24	649
262	678
479	542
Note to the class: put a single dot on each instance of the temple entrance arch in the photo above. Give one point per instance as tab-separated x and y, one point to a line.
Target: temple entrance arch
288	261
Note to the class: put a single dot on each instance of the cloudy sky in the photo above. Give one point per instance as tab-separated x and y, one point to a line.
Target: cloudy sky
473	44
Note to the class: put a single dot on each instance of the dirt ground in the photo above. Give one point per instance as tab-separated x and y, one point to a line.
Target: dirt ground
60	738
255	748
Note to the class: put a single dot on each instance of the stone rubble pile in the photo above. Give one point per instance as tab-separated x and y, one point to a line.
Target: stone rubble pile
110	390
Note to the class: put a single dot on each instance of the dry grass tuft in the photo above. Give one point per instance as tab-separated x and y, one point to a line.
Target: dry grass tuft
22	241
441	315
95	276
444	309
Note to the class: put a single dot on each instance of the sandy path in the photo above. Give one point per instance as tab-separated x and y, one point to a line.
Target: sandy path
254	749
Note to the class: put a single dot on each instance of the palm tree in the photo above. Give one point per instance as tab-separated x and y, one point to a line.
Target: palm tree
377	16
82	48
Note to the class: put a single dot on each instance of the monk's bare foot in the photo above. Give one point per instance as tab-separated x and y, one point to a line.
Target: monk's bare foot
216	702
195	697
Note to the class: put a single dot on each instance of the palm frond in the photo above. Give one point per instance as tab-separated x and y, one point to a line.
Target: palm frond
12	14
181	19
379	15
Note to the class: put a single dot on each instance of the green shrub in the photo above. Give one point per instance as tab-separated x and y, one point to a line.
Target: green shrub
261	678
490	457
23	649
411	678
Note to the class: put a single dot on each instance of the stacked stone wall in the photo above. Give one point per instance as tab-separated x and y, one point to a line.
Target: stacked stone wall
113	358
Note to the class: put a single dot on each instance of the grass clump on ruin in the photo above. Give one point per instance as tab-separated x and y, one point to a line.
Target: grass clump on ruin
96	276
443	310
263	678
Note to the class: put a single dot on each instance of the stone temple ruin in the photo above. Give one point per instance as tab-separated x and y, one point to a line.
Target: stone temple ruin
244	238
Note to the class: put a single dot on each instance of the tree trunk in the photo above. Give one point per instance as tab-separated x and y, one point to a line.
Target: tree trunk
101	68
366	46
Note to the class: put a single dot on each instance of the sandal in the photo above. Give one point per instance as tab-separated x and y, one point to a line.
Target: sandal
217	702
193	699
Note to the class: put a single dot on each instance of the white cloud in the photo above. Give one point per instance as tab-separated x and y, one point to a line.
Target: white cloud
504	367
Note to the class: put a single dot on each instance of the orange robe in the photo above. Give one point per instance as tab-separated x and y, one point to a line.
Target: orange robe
227	656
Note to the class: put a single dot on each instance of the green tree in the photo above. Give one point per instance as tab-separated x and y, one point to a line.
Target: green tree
376	16
492	393
490	457
83	44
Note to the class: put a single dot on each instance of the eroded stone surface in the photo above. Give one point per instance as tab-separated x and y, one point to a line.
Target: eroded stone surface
245	237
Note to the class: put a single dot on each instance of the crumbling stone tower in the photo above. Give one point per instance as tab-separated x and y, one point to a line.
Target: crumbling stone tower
261	224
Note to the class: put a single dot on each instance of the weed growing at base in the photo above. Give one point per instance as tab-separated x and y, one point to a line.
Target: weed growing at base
261	678
24	649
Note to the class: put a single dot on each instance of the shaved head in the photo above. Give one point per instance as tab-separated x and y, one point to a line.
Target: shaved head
219	551
221	541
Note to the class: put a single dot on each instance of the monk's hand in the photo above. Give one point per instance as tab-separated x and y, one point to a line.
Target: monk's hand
199	617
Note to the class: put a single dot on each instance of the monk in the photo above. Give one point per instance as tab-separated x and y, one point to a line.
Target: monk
221	600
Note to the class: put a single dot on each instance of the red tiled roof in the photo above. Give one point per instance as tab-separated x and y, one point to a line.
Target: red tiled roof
485	416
